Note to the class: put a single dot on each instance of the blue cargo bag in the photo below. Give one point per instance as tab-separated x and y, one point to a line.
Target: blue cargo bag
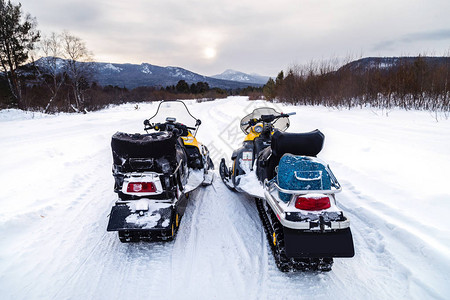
301	173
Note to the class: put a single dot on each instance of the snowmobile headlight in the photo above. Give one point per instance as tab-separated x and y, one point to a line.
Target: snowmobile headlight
258	129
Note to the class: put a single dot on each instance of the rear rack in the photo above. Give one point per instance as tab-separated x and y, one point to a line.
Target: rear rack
271	185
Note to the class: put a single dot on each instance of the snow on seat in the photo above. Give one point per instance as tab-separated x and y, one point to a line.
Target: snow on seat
301	173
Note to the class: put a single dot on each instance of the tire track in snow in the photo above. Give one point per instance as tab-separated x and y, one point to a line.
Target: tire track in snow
76	253
374	234
218	246
107	268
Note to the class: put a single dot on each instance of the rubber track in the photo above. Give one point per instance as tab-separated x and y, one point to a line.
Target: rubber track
284	263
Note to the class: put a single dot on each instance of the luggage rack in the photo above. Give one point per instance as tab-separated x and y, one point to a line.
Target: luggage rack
272	185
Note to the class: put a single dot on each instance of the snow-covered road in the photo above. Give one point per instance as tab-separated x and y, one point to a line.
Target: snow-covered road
57	193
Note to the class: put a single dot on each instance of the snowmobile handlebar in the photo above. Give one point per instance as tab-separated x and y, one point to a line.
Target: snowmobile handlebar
267	119
167	126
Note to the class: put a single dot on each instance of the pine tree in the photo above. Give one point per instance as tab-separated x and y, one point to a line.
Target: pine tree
269	90
18	35
182	87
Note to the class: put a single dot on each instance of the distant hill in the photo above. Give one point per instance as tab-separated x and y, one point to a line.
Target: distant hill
364	64
133	75
242	77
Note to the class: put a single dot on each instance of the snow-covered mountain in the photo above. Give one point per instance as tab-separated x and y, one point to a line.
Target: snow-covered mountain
134	75
385	63
241	77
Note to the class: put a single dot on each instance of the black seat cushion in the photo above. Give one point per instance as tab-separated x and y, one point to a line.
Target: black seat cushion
308	143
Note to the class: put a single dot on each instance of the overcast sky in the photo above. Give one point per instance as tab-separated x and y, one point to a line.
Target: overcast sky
253	36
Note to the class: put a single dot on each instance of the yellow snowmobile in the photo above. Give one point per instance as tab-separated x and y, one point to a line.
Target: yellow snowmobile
294	192
155	172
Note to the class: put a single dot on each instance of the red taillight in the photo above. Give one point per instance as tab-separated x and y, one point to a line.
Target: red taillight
141	187
312	203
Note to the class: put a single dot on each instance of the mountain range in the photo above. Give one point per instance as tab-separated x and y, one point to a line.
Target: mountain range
242	77
135	75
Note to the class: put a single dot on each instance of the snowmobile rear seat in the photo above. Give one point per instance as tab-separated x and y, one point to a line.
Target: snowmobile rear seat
308	144
301	173
143	152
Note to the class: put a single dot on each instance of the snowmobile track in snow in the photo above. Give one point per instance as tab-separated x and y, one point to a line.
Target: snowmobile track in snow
209	239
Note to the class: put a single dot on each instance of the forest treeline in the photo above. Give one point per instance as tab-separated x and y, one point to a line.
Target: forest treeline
407	82
38	93
36	96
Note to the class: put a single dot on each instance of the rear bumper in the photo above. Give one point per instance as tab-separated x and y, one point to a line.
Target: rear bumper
300	243
296	220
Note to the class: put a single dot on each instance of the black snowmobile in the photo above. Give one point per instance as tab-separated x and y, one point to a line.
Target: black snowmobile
155	172
295	192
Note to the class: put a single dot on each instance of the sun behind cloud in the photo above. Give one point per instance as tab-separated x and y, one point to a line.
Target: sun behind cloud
209	52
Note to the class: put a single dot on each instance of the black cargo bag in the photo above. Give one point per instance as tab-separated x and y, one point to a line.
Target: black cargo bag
144	152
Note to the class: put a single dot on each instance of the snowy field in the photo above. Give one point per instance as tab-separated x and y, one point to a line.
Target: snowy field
58	191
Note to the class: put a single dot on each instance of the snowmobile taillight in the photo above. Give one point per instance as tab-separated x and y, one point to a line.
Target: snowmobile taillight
141	187
312	203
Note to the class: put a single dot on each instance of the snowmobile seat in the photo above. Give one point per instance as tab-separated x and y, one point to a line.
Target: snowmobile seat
144	152
307	144
301	173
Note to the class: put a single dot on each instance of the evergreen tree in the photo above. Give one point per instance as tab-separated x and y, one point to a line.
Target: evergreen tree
182	87
18	35
279	79
269	90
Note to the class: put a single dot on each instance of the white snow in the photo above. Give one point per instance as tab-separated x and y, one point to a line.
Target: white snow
248	182
57	192
146	220
112	68
145	69
196	178
177	72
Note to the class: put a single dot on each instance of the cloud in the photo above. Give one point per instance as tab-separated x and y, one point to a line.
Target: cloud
248	35
435	35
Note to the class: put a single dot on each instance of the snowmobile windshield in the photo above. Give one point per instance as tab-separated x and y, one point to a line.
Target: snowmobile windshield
279	123
174	109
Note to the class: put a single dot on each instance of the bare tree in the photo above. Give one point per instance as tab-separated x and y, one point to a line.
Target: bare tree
50	66
78	66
